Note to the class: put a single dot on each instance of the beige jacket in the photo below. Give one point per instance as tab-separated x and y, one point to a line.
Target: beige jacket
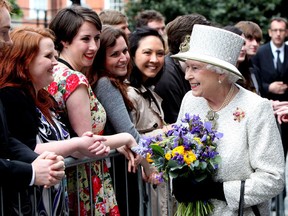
146	116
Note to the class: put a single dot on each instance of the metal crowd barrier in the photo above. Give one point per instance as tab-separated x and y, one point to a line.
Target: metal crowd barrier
145	205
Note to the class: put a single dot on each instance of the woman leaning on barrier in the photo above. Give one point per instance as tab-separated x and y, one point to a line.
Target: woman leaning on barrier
32	114
77	45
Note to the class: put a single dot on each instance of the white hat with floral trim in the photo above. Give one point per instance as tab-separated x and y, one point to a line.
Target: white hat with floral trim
214	46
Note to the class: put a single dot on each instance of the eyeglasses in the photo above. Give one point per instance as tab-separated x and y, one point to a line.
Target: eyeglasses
280	30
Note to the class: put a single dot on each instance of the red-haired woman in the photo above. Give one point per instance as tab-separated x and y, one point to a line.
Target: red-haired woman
32	114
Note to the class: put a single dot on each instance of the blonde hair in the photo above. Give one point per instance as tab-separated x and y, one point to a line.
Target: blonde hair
6	4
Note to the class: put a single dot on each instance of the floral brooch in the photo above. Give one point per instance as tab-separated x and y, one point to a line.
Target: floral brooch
239	114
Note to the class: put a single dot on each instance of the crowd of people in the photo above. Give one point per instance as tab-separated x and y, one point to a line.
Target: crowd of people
87	84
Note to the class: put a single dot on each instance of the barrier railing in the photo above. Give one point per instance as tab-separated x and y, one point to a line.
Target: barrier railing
145	205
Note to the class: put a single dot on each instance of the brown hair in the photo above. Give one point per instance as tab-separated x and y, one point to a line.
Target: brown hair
146	16
108	38
67	22
112	17
250	30
279	19
177	29
13	65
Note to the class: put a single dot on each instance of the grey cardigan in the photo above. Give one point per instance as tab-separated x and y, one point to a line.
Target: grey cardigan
118	118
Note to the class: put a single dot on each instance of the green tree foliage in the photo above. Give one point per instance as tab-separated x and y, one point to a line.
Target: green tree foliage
222	12
16	10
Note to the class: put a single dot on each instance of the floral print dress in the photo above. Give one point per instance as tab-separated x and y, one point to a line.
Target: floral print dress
66	81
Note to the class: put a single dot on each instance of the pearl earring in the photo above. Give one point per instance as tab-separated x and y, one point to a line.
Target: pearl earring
219	81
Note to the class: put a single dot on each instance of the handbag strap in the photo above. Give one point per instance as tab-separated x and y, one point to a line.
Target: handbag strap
255	210
241	202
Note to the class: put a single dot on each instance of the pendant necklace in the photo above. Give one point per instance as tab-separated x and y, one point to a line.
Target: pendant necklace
212	114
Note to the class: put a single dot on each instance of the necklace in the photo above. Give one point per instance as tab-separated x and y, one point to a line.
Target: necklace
65	63
212	114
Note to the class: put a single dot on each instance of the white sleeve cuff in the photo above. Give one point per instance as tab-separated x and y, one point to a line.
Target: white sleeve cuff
33	177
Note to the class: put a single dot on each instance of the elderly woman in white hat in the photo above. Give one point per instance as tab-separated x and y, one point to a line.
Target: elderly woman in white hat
251	150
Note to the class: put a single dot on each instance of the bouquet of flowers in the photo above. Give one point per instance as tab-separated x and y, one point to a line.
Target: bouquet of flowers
188	150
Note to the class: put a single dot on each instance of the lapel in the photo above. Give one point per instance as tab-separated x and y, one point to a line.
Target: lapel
285	63
155	104
270	56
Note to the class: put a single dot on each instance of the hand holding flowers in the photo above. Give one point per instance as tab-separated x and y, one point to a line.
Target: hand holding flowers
188	155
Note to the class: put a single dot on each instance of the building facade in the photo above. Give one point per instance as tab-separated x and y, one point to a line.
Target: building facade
38	13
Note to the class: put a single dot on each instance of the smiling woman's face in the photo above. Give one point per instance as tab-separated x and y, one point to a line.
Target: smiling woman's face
81	51
149	56
42	65
203	82
117	58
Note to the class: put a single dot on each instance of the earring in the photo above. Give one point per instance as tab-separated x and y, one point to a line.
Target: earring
219	81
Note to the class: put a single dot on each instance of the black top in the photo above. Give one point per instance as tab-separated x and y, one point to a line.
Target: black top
10	148
172	87
22	118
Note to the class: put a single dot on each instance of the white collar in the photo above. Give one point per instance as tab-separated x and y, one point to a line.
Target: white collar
274	48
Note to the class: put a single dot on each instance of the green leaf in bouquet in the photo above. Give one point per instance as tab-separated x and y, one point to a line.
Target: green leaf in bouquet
214	162
170	144
200	177
168	141
217	159
175	169
212	147
159	163
203	165
174	165
157	150
194	165
173	174
165	176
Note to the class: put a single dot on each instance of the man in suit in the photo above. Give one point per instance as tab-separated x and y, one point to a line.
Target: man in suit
19	165
272	61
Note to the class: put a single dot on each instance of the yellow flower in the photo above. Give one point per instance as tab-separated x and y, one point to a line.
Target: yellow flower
198	140
179	150
168	156
189	157
148	158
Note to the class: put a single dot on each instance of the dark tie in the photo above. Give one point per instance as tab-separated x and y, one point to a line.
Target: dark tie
278	62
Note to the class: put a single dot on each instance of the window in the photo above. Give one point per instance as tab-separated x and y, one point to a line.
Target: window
114	4
37	9
82	2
